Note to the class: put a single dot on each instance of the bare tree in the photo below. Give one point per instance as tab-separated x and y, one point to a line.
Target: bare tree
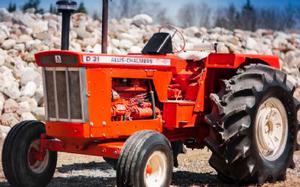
204	13
126	8
228	18
130	8
270	19
248	17
290	16
157	12
187	15
192	14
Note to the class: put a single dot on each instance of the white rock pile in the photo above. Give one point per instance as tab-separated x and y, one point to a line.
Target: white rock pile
24	34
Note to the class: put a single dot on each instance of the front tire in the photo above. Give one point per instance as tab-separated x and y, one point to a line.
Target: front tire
255	117
19	156
146	160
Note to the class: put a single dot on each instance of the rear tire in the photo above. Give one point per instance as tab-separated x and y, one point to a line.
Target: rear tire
20	166
146	160
255	117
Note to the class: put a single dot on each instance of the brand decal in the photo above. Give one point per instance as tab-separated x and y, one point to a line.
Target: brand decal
126	60
58	59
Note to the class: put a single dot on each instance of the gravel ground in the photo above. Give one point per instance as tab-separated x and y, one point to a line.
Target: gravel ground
194	170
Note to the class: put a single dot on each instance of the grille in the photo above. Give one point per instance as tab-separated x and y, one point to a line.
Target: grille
65	94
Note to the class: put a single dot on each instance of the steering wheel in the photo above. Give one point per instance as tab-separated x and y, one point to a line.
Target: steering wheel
176	35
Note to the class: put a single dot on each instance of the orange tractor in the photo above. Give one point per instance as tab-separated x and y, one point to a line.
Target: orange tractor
139	111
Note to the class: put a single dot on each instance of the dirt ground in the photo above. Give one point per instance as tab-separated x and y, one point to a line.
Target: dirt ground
194	170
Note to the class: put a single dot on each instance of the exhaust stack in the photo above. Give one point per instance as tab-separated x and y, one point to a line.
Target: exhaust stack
66	7
104	26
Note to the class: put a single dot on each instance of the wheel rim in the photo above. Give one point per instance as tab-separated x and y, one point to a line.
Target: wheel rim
35	164
271	129
156	169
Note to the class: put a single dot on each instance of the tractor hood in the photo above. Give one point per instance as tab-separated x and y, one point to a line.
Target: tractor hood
77	59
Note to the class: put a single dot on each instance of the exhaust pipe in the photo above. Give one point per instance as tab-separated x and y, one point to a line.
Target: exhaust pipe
66	7
104	26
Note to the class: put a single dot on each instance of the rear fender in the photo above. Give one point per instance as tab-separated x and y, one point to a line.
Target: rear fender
234	61
223	66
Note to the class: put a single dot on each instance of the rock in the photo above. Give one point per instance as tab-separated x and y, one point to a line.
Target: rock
251	43
193	55
129	37
75	47
12	90
234	40
141	19
10	106
9	119
2	100
116	51
31	101
23	19
82	33
53	24
27	20
4	32
39	113
33	44
8	44
8	84
89	42
125	44
280	41
191	31
24	107
43	36
2	57
39	95
20	47
5	16
4	130
27	116
29	89
232	48
135	49
30	10
97	48
222	48
29	74
24	38
115	42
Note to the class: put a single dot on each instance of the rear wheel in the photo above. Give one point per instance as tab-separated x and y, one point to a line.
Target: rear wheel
146	160
23	165
255	118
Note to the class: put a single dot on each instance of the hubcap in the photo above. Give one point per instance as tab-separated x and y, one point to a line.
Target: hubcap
36	164
156	169
271	127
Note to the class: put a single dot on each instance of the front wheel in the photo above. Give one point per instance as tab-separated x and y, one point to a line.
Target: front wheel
146	160
21	160
255	117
